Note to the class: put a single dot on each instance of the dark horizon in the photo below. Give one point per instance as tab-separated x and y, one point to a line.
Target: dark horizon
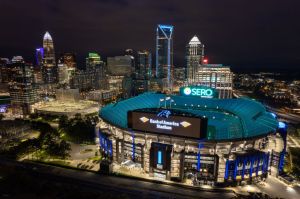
248	36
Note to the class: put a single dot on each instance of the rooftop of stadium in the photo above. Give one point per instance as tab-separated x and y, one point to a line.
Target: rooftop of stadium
228	119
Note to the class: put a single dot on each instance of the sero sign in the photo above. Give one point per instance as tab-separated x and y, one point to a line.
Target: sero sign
198	91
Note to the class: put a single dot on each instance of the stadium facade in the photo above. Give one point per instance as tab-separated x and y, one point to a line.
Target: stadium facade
194	136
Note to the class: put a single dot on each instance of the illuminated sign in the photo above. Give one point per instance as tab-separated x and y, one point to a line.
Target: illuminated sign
167	123
198	91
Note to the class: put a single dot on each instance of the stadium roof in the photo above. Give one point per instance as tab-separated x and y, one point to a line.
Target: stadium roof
228	119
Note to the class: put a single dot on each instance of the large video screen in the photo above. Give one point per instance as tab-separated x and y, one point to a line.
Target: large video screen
168	124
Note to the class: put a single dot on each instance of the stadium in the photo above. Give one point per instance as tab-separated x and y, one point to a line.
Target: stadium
193	136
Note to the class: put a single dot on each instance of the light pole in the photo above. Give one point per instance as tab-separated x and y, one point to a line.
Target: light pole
160	100
167	98
171	102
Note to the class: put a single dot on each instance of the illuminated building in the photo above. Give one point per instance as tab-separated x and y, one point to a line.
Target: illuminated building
93	61
49	69
39	54
88	79
115	83
143	72
93	77
215	76
22	88
164	55
194	58
120	65
144	65
102	96
69	59
179	77
66	68
4	71
192	137
65	74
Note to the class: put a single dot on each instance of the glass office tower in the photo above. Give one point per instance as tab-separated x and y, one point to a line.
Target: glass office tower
164	55
144	65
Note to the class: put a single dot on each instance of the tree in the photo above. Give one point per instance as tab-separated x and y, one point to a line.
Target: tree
64	149
1	117
63	121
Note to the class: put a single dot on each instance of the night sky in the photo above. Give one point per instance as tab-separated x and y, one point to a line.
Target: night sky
248	35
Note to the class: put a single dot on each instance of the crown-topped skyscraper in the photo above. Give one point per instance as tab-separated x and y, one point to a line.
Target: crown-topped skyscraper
194	58
49	69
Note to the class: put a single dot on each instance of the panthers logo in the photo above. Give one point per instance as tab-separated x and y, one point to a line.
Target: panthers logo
164	113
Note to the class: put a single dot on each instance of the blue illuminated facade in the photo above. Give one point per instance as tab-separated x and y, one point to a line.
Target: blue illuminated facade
159	157
39	55
246	166
105	145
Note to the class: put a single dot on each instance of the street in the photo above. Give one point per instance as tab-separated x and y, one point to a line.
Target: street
133	187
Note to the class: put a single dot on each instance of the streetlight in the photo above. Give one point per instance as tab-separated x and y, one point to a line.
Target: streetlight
160	100
167	98
171	103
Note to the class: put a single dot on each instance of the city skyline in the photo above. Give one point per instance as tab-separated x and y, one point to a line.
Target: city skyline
150	99
233	38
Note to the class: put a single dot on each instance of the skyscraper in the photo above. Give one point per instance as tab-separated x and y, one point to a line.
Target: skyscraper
144	65
39	54
93	61
194	58
49	69
69	59
120	65
22	88
164	54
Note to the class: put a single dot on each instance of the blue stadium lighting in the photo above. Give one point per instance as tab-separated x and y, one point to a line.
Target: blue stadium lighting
133	146
274	115
159	157
281	125
226	169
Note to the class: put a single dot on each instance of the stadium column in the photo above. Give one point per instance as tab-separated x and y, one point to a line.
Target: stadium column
198	160
133	146
282	129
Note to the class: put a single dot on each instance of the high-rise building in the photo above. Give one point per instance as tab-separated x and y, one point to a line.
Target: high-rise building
144	65
94	77
69	59
49	69
164	54
120	65
22	88
4	72
194	58
93	61
63	77
216	76
39	54
66	68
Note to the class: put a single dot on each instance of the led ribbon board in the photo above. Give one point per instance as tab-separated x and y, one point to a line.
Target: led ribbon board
198	91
